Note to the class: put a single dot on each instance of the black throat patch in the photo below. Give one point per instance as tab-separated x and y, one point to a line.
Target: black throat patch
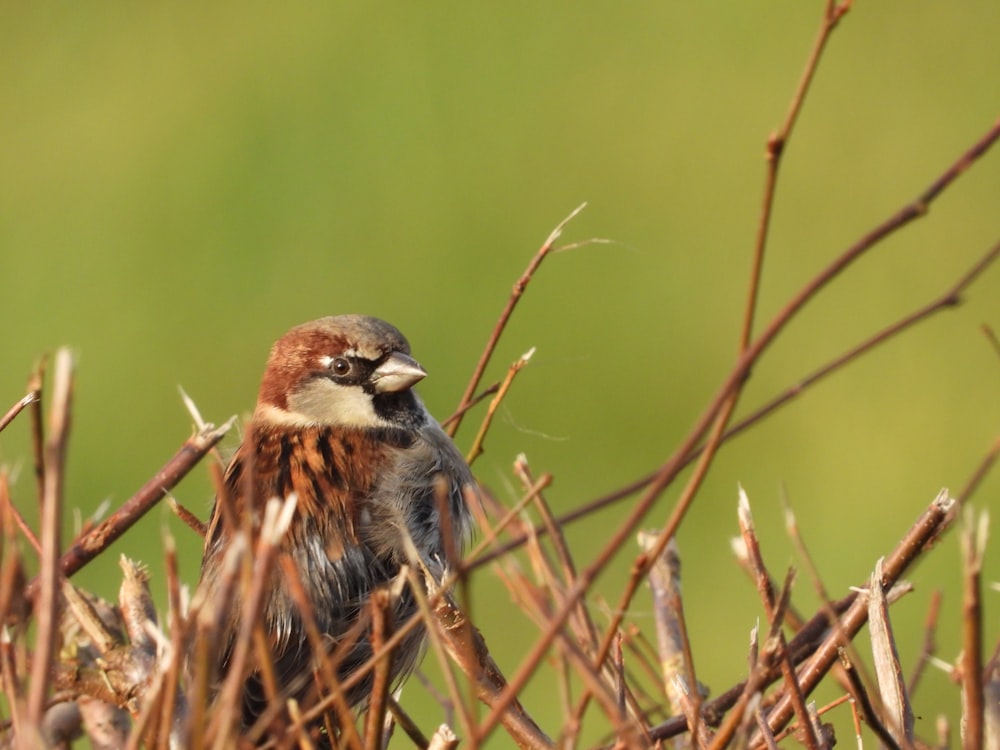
400	408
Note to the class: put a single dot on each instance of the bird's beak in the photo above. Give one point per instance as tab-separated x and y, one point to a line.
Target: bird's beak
397	373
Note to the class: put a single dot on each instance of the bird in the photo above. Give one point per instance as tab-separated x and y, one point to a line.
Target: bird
338	424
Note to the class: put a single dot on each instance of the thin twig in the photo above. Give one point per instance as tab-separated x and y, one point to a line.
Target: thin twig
589	574
277	517
511	517
745	697
897	712
647	559
170	719
815	642
477	445
930	644
628	732
35	384
792	527
189	519
12	604
405	722
677	673
587	631
775	149
928	527
12	687
48	604
982	470
464	653
515	296
17	408
21	523
480	397
864	703
381	609
89	545
949	299
768	598
327	673
973	545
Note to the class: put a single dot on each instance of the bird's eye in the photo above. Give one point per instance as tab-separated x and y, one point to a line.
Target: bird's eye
340	366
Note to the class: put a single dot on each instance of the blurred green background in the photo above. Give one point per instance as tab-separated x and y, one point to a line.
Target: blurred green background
181	183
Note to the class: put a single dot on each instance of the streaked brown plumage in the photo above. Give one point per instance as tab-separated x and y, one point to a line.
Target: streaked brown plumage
337	424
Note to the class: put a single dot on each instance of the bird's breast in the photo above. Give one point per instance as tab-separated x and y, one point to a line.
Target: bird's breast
332	472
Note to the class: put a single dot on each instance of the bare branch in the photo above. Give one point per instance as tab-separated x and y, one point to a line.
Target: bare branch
973	544
515	296
928	527
17	408
92	543
512	371
48	605
892	689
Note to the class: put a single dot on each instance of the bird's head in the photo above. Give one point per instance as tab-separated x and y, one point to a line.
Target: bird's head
347	370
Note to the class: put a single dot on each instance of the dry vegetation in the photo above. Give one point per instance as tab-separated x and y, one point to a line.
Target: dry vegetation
73	665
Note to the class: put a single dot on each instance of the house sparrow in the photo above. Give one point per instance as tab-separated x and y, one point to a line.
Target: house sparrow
338	424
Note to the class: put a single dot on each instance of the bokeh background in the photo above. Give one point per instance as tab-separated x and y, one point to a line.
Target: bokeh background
180	183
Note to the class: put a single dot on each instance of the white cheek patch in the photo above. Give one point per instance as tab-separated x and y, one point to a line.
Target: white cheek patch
322	401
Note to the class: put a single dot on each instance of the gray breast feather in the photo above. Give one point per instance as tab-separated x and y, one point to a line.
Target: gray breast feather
408	498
